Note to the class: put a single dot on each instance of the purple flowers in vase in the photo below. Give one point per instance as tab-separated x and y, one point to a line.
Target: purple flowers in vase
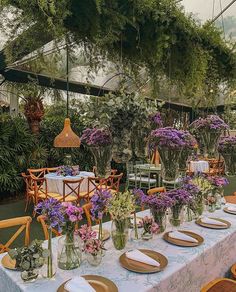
211	122
96	137
168	137
66	170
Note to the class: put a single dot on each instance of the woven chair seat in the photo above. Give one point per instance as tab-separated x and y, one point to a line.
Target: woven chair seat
69	198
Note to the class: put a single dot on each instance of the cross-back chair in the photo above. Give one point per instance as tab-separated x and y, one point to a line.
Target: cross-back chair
41	220
29	189
71	190
87	211
52	169
24	223
113	183
156	190
94	184
37	172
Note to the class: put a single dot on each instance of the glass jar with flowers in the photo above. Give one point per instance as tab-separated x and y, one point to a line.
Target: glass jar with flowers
189	144
99	203
227	148
70	245
180	198
211	204
149	228
195	206
217	183
209	130
93	249
169	143
51	209
120	206
66	170
99	142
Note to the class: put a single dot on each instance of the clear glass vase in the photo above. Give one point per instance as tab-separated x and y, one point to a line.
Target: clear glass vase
69	251
199	206
169	163
135	231
120	233
146	235
211	208
184	155
94	260
159	218
176	215
102	158
49	268
210	140
121	150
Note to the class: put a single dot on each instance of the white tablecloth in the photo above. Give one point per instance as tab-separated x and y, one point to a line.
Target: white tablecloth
199	166
55	182
188	268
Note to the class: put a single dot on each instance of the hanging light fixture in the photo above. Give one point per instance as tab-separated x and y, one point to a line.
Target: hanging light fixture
67	138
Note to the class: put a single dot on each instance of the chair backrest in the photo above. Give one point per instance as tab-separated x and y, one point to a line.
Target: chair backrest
156	190
73	186
37	173
87	207
113	171
41	220
40	187
113	182
96	183
52	169
24	223
28	182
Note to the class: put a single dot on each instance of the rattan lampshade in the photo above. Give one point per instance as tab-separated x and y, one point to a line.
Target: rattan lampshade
67	138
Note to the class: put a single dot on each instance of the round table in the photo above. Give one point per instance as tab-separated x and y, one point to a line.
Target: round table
55	182
199	166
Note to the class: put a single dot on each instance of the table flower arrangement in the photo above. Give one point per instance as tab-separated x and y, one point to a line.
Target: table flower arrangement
158	204
29	259
170	143
227	148
211	203
208	130
181	198
99	203
69	245
120	206
66	170
51	209
217	183
195	206
99	142
150	227
188	147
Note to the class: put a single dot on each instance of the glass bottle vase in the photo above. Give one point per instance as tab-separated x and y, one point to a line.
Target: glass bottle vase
102	157
159	218
94	260
120	233
176	216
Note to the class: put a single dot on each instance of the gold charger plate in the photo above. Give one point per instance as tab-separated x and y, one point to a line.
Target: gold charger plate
99	283
184	242
139	267
228	211
8	262
105	233
215	226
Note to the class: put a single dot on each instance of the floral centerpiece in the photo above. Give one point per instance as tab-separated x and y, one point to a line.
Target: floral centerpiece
208	130
189	144
150	227
69	245
170	143
99	142
29	259
99	203
66	170
120	206
195	206
51	209
180	197
227	148
217	183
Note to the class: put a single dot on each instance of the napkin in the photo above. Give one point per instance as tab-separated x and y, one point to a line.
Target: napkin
212	221
182	236
138	256
231	208
78	284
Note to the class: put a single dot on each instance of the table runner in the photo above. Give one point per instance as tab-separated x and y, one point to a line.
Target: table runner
188	268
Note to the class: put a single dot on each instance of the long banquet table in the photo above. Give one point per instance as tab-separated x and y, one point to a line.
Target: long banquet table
188	268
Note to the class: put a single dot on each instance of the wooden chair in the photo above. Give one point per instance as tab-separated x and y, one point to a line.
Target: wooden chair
24	223
74	190
156	190
220	285
113	183
37	172
51	169
87	211
29	189
230	199
94	184
41	220
113	171
216	167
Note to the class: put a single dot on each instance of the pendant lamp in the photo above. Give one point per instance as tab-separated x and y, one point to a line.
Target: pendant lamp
67	138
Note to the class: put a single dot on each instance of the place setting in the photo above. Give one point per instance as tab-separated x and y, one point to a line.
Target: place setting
213	223
183	238
230	210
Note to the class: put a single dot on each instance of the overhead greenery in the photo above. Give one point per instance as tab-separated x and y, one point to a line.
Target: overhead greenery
135	34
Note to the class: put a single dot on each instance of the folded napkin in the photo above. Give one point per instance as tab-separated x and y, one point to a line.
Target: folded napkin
78	284
231	208
212	221
138	256
181	236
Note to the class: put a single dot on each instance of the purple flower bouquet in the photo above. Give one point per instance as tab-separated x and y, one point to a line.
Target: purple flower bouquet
100	144
66	170
189	144
227	148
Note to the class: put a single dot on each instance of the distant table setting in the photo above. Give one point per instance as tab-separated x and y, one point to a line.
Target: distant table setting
186	256
199	166
55	181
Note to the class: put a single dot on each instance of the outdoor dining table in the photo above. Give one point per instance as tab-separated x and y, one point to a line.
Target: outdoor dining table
188	269
199	166
55	182
150	168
